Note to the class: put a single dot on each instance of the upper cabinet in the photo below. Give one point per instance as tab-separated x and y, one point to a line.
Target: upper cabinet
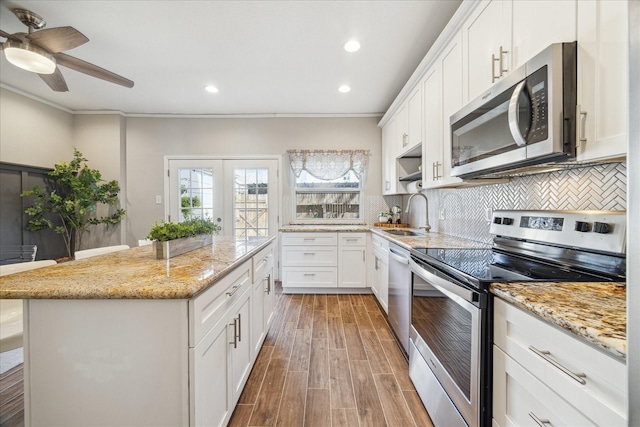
486	46
501	35
603	79
389	182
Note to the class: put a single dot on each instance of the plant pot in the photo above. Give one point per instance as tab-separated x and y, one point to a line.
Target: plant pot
172	248
383	219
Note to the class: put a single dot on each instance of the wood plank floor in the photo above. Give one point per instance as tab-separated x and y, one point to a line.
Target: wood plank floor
329	360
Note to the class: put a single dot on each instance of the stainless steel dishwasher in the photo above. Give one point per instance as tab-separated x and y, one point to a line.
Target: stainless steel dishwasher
400	294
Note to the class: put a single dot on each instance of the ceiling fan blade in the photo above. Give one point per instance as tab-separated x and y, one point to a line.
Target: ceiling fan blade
8	36
55	81
90	69
58	39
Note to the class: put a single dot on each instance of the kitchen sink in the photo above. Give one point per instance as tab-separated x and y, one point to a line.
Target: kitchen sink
405	233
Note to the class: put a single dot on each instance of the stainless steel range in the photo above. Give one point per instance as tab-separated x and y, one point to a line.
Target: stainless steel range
451	309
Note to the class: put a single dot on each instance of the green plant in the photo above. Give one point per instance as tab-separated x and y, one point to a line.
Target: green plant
76	192
174	230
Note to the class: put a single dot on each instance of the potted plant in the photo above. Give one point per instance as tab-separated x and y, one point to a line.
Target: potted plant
76	191
176	238
384	216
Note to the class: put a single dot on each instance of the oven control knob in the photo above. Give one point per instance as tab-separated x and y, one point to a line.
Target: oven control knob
582	226
497	220
601	227
507	221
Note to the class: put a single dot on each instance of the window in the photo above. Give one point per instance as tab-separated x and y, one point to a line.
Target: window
328	185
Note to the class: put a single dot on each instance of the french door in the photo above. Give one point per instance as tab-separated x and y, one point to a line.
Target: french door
241	195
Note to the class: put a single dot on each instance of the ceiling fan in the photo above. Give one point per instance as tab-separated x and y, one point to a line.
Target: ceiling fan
41	52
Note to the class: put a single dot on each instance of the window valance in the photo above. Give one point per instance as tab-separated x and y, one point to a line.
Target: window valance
328	164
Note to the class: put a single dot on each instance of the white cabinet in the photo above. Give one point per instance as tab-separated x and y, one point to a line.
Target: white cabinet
327	260
402	128
552	374
263	296
389	153
433	141
380	270
537	24
221	365
603	79
501	35
352	265
415	118
486	40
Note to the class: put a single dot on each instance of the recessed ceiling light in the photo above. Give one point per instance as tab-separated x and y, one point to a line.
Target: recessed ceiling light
352	46
344	89
211	89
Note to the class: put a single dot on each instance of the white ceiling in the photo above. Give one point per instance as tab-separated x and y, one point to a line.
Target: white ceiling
266	57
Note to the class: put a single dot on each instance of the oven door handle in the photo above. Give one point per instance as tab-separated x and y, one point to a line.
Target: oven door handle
451	290
398	257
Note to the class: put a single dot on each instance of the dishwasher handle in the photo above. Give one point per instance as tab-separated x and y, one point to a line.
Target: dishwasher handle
398	256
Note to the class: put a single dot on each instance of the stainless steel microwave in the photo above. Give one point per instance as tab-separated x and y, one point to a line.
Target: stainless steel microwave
527	118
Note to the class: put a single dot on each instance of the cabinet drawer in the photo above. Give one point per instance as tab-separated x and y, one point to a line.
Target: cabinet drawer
301	277
262	262
352	239
518	397
209	307
312	256
540	347
297	239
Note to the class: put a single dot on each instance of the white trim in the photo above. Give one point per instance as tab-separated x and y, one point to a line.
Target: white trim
33	97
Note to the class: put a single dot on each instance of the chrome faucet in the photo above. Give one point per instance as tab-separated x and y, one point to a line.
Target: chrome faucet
426	227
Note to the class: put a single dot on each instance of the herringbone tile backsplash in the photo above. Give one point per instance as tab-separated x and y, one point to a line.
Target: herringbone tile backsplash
464	212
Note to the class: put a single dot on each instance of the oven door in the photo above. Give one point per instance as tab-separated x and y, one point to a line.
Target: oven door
446	330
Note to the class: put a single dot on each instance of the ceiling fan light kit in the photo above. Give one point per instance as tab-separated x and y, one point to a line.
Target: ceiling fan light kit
29	57
41	52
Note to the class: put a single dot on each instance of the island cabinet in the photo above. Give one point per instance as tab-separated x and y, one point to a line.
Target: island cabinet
153	361
545	375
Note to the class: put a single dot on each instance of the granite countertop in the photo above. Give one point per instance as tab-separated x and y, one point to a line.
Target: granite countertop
134	273
315	228
429	240
595	311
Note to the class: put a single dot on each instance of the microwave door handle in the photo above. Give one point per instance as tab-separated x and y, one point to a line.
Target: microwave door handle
513	115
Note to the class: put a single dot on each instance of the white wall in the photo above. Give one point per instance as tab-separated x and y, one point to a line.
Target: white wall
33	133
150	139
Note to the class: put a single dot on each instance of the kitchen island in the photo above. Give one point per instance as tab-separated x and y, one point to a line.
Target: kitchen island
126	339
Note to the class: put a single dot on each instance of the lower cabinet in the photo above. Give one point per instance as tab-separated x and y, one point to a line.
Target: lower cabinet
320	260
380	270
221	365
546	376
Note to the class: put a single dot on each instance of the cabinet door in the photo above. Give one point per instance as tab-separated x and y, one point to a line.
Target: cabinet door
383	280
258	330
211	402
415	118
240	347
485	35
520	399
389	153
452	101
537	24
352	267
269	298
602	79
432	147
402	128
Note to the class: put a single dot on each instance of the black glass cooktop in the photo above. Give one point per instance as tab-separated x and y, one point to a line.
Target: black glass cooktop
487	265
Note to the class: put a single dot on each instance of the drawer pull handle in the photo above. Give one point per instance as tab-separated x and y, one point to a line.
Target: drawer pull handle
239	327
540	422
235	333
577	376
309	253
309	238
268	290
309	274
233	291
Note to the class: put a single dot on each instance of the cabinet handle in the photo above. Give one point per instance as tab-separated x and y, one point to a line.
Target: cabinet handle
376	263
239	327
501	62
576	376
582	130
309	274
309	253
540	422
309	238
405	140
493	68
438	175
233	291
235	333
434	172
268	290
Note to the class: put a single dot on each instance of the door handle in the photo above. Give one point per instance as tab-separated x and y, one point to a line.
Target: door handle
513	115
235	333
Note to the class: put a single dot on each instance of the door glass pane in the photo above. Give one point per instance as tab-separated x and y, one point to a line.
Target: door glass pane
196	193
251	212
